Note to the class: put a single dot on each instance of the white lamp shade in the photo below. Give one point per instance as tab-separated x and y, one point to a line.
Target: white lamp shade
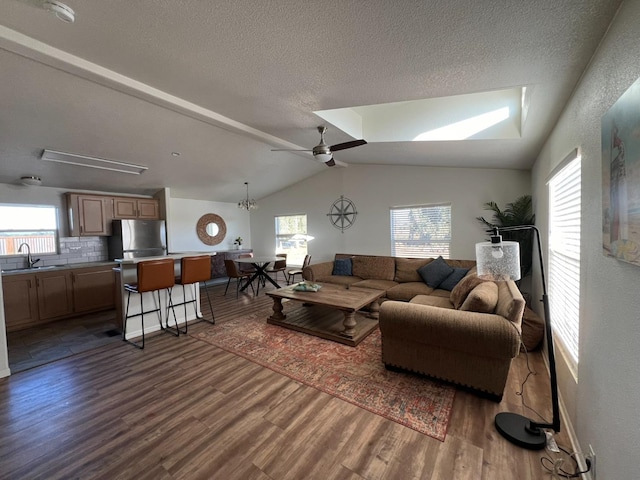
324	157
498	261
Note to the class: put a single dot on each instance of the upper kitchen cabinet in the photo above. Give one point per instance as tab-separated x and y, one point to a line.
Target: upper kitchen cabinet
142	208
89	215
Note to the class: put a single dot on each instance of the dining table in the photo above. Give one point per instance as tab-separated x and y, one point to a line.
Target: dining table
260	264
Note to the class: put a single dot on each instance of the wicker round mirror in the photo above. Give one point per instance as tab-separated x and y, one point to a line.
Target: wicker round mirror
211	229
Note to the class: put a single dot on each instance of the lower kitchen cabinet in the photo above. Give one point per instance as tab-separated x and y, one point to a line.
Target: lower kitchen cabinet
20	301
32	299
55	294
93	289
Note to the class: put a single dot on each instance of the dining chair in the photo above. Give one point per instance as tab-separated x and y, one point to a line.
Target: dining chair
298	271
278	266
233	272
244	268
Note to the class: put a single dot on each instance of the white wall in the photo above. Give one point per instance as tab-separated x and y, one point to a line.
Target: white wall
183	215
605	403
374	189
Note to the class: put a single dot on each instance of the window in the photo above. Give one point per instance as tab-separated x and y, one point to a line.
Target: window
291	237
564	256
421	231
36	226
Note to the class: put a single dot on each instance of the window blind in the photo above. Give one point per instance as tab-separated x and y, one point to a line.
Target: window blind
564	256
421	231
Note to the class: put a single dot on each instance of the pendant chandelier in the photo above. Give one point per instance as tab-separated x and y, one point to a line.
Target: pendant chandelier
247	204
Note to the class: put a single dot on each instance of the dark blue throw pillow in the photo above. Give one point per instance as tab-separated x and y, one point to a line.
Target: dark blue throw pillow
453	279
342	266
434	273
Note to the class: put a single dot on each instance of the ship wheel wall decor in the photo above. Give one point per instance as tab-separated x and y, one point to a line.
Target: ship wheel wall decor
342	213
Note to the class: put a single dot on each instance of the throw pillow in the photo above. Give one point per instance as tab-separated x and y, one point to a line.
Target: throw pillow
452	280
342	266
435	272
462	289
482	299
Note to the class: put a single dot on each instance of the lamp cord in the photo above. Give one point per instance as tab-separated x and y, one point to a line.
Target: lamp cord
555	466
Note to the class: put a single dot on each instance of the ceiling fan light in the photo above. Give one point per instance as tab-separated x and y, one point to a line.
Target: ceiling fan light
323	157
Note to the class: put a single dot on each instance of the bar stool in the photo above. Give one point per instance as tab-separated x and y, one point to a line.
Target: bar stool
194	270
153	276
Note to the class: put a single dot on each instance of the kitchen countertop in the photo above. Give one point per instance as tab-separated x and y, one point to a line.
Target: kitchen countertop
175	256
49	268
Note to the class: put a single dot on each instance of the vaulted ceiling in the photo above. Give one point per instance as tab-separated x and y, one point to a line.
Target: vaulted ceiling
222	83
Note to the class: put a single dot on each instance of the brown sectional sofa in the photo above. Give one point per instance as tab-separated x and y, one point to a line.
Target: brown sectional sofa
449	335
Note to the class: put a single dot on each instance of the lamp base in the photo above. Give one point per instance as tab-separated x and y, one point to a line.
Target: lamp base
515	428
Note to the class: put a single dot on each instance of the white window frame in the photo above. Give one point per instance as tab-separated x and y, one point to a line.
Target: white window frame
408	239
295	256
564	257
35	225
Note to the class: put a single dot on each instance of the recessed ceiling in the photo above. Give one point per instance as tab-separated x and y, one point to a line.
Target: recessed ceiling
223	83
495	115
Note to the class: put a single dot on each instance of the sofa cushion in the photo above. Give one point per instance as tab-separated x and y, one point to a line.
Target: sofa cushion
371	267
442	302
342	266
407	290
433	273
483	298
462	289
452	280
376	284
407	269
338	279
510	302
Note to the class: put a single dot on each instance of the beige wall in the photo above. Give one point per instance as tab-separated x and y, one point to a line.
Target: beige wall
374	189
605	401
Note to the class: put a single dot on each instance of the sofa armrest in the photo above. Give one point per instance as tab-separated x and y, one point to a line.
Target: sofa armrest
484	334
312	272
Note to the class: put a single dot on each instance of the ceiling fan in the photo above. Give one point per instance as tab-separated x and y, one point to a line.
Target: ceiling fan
324	152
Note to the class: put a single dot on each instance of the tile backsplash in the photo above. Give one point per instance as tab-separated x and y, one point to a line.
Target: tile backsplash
72	250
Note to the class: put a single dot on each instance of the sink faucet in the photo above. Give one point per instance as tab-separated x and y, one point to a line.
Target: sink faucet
31	262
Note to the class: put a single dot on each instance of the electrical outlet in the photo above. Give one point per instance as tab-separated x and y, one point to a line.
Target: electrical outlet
592	459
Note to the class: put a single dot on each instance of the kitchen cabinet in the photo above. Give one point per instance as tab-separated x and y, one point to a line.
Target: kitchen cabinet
32	299
93	289
20	301
55	295
89	215
141	208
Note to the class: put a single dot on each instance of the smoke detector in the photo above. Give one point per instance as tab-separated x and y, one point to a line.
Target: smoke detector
60	10
31	181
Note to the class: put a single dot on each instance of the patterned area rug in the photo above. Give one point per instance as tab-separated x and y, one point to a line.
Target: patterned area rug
354	374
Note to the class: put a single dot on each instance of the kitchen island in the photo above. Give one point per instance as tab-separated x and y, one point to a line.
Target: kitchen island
126	272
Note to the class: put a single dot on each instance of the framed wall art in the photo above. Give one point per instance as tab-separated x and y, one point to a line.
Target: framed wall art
621	177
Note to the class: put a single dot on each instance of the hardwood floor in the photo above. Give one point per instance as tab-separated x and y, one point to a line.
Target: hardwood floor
184	409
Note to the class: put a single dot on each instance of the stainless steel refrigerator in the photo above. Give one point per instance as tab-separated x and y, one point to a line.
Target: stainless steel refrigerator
138	238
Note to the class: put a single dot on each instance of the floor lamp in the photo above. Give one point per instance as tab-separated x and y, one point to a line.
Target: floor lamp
499	261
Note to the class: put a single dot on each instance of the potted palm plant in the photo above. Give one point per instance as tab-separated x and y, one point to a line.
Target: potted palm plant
519	212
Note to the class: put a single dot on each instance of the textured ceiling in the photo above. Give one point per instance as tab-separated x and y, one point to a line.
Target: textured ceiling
224	82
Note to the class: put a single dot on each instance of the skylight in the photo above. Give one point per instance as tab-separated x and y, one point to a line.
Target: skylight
477	116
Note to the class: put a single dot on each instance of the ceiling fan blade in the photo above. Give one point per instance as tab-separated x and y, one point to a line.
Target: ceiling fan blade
335	163
289	150
345	145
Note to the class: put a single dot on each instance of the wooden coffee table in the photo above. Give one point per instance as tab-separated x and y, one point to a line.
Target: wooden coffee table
331	312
